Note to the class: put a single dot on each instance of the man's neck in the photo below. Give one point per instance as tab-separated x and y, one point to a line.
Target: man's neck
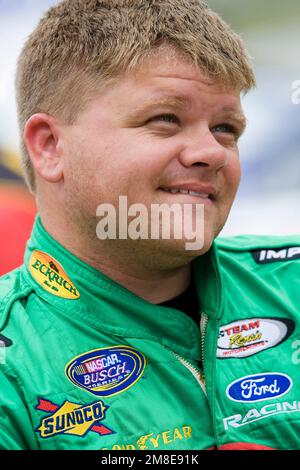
154	285
155	290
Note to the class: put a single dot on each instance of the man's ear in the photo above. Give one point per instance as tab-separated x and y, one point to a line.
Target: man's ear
41	136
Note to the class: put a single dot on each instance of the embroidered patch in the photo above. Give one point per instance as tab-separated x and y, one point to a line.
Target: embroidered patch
259	387
107	371
243	338
72	418
248	416
51	276
276	255
154	440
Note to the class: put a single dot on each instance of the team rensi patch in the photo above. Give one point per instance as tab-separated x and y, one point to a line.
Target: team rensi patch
267	256
72	418
243	338
51	276
107	371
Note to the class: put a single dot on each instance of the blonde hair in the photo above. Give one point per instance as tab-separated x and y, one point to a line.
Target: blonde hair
80	44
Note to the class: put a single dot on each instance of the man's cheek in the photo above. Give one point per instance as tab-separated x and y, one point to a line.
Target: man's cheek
233	179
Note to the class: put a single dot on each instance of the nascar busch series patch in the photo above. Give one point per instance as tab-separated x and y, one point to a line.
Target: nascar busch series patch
107	371
72	418
49	274
243	338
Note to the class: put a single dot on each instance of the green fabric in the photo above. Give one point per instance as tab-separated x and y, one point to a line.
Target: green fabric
159	402
260	291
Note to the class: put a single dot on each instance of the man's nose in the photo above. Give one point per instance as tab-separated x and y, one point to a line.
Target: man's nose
204	151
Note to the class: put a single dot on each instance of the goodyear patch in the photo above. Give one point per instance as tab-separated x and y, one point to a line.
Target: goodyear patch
154	440
72	418
107	371
51	276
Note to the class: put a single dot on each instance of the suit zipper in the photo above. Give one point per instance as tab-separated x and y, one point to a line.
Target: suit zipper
203	325
197	373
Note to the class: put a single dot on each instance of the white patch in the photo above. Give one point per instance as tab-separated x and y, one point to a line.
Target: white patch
243	338
253	415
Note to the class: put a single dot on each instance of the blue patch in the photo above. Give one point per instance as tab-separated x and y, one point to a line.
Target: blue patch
259	387
107	371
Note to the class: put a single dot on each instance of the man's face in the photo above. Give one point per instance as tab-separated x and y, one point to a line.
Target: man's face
164	128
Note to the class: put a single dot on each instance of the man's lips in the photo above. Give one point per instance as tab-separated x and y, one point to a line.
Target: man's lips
191	189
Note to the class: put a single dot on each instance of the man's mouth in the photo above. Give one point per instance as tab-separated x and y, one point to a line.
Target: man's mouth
201	191
187	191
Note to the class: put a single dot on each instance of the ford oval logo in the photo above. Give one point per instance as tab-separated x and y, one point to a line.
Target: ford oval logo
107	371
259	387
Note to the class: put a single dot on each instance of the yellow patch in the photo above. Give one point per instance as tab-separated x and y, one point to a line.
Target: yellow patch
153	441
51	276
73	419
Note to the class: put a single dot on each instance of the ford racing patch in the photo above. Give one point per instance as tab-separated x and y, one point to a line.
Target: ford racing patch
259	387
243	338
107	371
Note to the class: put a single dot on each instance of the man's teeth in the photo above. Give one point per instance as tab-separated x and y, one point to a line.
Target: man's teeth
186	191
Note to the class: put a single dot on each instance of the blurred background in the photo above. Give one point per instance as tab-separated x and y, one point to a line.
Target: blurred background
268	201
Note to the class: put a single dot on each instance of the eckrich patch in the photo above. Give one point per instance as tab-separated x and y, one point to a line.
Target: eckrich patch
107	371
259	387
243	338
51	276
72	419
267	256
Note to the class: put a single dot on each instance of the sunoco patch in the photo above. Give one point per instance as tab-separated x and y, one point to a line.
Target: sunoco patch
72	418
51	276
107	371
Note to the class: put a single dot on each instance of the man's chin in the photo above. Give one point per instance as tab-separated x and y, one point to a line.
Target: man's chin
172	254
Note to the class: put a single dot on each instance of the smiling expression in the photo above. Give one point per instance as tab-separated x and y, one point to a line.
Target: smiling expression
164	134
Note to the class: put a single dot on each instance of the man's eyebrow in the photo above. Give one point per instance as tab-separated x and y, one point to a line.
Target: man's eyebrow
170	101
237	116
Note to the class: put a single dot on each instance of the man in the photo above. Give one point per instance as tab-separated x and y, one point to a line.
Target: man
101	341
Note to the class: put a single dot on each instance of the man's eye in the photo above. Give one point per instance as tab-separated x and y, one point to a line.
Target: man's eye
226	129
166	118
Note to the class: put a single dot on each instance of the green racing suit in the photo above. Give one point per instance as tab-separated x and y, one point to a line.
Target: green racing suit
86	364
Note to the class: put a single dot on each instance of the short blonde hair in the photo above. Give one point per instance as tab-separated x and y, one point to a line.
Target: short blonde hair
80	44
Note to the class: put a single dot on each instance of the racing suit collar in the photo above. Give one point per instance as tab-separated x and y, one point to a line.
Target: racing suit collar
80	291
